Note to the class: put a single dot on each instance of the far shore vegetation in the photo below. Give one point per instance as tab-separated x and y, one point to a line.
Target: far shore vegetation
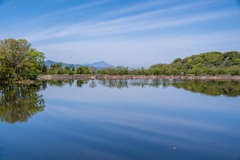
211	63
19	62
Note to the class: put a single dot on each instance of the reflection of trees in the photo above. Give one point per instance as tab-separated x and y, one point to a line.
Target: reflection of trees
139	83
81	82
18	103
59	83
135	83
114	83
92	84
214	88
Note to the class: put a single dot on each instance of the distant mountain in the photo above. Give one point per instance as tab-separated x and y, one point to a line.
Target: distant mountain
98	65
101	64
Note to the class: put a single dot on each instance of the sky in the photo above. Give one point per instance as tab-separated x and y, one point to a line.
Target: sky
133	33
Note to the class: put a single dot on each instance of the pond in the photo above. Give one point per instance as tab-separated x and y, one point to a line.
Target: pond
120	119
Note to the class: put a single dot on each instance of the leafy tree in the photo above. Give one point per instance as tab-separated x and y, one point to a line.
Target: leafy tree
93	70
67	67
176	60
83	70
73	69
70	72
44	68
234	70
18	60
121	70
56	66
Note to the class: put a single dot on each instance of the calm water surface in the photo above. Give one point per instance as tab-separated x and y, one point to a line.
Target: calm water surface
121	119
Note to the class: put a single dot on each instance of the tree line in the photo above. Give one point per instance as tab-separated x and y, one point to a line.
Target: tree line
57	69
210	63
69	70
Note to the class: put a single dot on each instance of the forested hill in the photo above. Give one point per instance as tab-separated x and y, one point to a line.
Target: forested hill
210	63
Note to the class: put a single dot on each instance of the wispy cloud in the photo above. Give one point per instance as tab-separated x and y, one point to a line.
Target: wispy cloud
157	4
137	7
118	27
79	7
138	28
126	49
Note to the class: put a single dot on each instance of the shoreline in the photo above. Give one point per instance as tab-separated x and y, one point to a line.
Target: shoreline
118	77
27	82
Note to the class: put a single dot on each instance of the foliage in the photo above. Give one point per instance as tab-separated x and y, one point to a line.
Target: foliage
211	63
93	70
83	70
67	70
70	72
18	61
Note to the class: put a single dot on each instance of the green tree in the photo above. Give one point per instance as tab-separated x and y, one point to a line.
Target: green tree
93	70
73	69
234	70
83	70
18	60
70	72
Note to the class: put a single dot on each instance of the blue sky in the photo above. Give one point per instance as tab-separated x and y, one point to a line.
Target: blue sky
132	33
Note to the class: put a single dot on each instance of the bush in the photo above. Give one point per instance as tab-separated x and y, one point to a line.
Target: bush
70	72
234	70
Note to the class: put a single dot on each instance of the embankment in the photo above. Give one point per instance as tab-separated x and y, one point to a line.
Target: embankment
52	77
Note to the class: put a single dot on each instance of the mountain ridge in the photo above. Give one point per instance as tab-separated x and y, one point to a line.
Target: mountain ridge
98	65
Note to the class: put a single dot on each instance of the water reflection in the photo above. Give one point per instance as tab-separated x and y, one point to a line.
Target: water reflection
80	83
18	103
21	102
59	83
92	84
132	119
213	87
208	87
137	119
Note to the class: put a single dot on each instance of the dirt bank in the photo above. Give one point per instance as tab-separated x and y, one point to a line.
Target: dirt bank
52	77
